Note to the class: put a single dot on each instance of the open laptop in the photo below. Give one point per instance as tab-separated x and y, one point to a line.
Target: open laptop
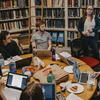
81	77
43	53
49	91
23	62
67	60
14	86
16	81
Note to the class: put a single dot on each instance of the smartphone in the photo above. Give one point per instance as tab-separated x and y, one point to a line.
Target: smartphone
60	96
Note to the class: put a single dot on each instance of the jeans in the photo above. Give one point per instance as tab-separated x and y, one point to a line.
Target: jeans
90	41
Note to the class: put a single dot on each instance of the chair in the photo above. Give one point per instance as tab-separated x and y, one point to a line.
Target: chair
77	51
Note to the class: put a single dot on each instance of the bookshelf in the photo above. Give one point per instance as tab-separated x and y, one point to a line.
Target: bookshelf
13	17
76	9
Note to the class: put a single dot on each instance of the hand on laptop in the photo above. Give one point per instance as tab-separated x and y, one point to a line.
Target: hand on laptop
96	74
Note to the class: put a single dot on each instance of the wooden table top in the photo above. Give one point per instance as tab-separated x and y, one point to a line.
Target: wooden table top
86	94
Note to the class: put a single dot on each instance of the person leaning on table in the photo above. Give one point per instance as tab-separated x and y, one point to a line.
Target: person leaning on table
41	39
8	47
88	26
97	75
33	91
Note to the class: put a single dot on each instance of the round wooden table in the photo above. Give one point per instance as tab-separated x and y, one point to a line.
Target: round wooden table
86	94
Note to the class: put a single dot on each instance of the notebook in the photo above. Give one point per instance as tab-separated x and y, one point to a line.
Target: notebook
16	81
49	91
23	62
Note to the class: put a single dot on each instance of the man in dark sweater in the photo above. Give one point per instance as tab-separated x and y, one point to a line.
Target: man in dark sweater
8	47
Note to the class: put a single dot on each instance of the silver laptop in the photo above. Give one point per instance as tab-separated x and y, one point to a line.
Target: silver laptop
68	60
81	77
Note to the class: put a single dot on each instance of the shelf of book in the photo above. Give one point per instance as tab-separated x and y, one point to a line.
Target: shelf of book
14	16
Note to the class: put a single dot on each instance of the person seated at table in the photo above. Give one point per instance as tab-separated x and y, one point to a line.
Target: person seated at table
2	97
97	75
33	91
41	39
8	47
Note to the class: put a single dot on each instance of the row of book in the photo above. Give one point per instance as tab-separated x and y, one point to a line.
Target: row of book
54	13
51	3
57	38
14	25
70	36
74	12
11	3
97	12
57	23
83	3
13	14
73	23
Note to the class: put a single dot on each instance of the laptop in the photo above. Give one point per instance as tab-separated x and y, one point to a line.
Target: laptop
23	62
81	77
67	60
43	53
16	81
14	86
49	91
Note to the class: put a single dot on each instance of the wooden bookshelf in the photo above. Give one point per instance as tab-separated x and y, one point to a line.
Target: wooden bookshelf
14	18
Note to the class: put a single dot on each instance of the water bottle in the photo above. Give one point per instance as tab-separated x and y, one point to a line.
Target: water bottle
1	60
50	77
12	66
53	55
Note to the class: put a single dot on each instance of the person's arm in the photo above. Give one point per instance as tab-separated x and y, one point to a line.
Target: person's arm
17	50
33	45
49	42
50	45
97	27
96	74
1	86
33	39
81	27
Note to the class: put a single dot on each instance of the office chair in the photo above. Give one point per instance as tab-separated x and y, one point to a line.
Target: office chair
77	51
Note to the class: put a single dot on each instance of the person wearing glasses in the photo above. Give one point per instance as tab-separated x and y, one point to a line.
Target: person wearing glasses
41	39
88	26
8	47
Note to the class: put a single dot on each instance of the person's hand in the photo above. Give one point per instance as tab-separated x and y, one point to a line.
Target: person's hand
96	74
90	30
84	33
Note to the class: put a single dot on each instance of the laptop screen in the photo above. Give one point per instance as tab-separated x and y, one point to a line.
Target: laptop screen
76	71
16	81
49	91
